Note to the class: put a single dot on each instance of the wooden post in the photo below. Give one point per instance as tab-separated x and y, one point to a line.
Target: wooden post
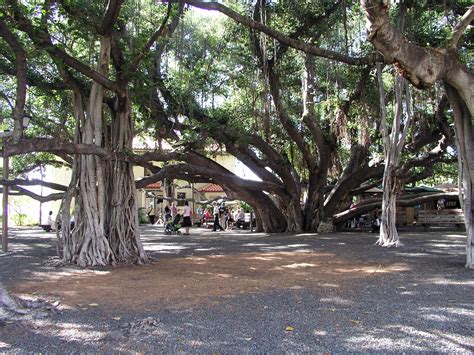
5	204
251	221
192	200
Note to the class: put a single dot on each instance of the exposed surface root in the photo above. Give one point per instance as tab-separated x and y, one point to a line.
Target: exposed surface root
12	308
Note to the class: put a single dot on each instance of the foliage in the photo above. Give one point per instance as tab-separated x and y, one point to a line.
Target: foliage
208	84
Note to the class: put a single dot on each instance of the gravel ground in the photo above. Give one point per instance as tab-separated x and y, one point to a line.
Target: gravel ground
247	292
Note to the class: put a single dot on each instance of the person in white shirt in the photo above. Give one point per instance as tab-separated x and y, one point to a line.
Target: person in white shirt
239	218
186	217
51	221
216	218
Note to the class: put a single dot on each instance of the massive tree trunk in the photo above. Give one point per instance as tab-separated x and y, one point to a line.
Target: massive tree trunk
106	219
87	243
425	66
122	221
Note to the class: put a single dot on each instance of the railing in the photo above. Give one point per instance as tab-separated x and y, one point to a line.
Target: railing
446	216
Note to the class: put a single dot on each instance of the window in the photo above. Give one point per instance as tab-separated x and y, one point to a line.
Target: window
181	197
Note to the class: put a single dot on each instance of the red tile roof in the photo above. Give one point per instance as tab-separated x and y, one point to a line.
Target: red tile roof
154	185
211	188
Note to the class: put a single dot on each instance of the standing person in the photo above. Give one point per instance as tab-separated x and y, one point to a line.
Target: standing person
216	218
51	221
230	219
150	211
174	210
376	221
222	213
167	213
207	215
186	218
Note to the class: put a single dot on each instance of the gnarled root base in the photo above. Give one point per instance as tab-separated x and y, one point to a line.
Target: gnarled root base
388	243
326	227
11	309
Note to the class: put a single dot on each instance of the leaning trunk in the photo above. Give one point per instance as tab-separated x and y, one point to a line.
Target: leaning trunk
269	217
465	144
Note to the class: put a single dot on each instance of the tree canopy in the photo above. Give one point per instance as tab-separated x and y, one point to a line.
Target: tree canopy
288	88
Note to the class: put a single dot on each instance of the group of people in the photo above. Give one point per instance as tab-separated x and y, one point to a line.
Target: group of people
170	212
372	220
225	218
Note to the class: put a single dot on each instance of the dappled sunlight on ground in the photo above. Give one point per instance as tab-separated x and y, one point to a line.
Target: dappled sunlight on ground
337	300
409	338
448	282
69	331
331	289
197	279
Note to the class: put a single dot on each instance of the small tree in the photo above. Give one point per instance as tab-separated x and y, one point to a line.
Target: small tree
423	67
393	144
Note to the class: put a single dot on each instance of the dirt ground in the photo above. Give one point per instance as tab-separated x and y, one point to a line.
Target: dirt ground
217	291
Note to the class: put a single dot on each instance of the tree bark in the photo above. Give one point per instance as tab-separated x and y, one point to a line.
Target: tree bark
423	67
465	142
393	145
106	218
87	243
122	218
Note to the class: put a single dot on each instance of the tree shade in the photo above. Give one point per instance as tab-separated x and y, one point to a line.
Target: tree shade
288	89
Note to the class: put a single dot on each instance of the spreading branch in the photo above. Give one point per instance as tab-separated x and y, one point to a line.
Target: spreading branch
33	182
407	202
42	39
421	66
110	17
162	31
459	29
291	42
20	64
42	199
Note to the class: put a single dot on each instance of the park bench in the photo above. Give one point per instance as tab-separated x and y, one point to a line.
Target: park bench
439	217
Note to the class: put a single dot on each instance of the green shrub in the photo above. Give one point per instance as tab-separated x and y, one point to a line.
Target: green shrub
142	216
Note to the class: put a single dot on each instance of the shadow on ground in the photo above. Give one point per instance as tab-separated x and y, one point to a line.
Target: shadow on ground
241	291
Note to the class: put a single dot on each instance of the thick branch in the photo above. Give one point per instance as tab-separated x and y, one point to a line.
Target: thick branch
407	202
110	17
162	31
33	182
42	199
43	40
285	120
421	66
458	31
305	47
20	64
57	147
